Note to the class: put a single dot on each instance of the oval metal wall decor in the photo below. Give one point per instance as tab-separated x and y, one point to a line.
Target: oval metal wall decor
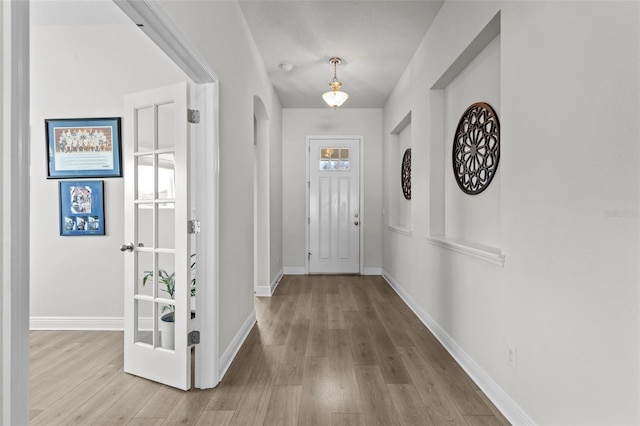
406	174
476	148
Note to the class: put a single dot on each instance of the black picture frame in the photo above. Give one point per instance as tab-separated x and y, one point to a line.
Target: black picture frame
83	148
81	208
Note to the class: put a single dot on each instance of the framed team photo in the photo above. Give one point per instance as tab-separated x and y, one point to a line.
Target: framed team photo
83	148
81	207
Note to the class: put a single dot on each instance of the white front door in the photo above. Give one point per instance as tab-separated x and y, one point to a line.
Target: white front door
157	244
334	206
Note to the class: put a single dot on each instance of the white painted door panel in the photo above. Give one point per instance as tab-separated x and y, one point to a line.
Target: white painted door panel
157	205
334	206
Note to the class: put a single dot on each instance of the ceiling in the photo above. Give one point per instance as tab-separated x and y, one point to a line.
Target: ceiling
376	39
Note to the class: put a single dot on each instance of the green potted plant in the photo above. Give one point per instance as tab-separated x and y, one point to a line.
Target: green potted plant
168	282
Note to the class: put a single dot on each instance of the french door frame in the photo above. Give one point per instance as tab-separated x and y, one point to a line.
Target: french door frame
205	175
307	229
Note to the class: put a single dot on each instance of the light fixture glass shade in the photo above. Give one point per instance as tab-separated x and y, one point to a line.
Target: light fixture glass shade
335	98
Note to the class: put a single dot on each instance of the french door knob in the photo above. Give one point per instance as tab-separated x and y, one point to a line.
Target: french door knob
126	247
356	223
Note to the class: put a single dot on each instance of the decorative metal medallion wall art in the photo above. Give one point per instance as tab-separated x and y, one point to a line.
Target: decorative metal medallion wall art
405	177
476	148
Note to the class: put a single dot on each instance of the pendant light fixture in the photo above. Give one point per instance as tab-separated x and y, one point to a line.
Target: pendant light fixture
335	97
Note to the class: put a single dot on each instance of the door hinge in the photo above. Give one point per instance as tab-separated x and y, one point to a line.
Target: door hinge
193	338
193	116
193	226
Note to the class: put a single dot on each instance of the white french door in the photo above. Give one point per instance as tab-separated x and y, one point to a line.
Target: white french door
157	242
334	206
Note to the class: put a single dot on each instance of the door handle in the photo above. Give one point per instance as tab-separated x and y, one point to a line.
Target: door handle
126	247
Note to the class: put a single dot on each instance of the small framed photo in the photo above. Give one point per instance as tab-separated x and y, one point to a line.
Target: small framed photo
83	148
81	207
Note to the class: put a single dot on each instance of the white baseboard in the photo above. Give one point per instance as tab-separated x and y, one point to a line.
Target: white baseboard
267	291
498	397
294	270
263	291
77	323
276	281
233	348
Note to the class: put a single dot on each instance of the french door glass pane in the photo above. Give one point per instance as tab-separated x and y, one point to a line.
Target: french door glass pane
144	136
166	330
166	276
166	176
144	321
145	221
145	276
166	228
146	177
166	126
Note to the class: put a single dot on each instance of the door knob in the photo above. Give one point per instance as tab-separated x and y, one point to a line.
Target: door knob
126	247
356	223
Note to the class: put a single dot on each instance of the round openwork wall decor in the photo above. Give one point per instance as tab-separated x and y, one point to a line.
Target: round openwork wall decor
476	148
405	177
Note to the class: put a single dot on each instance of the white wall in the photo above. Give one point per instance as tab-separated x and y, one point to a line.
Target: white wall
567	296
219	32
83	71
297	125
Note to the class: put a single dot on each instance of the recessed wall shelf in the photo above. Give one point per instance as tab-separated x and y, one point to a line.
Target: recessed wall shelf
487	253
400	230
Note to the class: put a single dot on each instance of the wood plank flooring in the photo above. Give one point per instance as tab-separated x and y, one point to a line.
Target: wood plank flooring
327	350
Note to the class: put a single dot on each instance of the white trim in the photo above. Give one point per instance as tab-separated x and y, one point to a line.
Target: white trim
307	243
233	348
14	148
276	281
372	271
400	230
488	254
77	323
267	291
206	198
161	29
263	291
294	270
507	406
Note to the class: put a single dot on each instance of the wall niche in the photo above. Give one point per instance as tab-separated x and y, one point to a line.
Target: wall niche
460	221
399	190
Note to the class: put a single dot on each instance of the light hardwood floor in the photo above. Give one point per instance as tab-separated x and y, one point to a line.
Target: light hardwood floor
327	350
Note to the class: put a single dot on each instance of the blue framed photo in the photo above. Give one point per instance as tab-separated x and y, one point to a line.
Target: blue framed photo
83	148
81	207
